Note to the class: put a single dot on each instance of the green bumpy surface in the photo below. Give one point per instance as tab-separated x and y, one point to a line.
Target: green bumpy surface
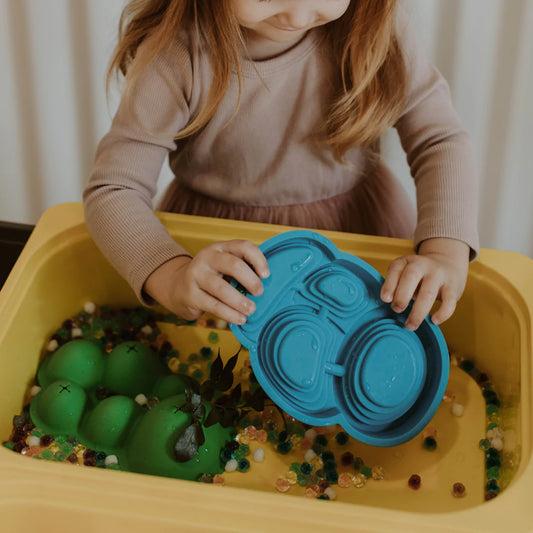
143	439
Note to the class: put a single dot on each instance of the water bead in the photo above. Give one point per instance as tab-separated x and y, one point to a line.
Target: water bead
430	444
332	476
243	439
53	345
306	468
111	460
484	444
311	434
414	482
231	465
466	365
321	440
490	495
34	441
457	409
309	455
429	431
312	491
359	481
332	495
284	447
458	490
259	455
358	463
347	458
34	390
493	473
366	471
282	485
345	480
244	449
378	473
492	486
342	438
218	479
261	435
89	307
322	497
497	443
292	477
302	480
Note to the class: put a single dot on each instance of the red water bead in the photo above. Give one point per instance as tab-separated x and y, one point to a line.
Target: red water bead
323	484
72	458
458	490
46	440
19	446
414	482
490	495
347	458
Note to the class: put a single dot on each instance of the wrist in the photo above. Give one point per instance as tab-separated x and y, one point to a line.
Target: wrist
157	283
453	248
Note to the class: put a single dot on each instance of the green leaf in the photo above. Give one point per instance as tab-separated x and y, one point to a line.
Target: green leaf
188	442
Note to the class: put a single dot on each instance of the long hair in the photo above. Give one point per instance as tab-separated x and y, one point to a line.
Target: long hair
371	80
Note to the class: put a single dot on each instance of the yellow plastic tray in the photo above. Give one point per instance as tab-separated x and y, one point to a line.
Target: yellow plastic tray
60	269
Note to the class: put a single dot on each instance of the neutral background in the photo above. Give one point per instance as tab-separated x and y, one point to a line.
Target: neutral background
54	53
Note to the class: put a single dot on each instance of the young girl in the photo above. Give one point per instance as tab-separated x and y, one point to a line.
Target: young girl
271	111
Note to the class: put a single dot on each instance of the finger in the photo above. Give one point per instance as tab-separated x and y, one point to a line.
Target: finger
391	280
222	291
407	285
426	296
250	253
447	306
230	265
220	309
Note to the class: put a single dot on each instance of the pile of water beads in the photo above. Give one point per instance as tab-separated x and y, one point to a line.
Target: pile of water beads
319	471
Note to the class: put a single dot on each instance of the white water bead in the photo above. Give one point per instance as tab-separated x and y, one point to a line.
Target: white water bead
89	307
259	455
494	433
221	324
141	399
111	460
457	409
76	332
310	434
231	465
331	493
35	390
147	329
52	345
497	443
309	455
34	441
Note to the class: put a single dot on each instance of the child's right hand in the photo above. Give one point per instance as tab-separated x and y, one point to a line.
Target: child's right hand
190	287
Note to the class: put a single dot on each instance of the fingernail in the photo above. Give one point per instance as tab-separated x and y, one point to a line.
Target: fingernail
265	273
410	326
250	308
387	297
396	308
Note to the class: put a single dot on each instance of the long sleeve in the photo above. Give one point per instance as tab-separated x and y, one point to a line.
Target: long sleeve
438	150
118	197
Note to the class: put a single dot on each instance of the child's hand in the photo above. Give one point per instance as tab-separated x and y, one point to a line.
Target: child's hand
439	271
189	287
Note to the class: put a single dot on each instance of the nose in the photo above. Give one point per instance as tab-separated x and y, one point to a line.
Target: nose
296	17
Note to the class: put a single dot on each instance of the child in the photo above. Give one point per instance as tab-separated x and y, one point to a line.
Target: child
271	111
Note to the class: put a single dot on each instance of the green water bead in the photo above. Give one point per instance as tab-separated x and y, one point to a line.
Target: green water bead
213	337
37	432
60	457
492	486
484	444
327	456
272	436
332	476
330	465
493	473
243	465
342	438
8	444
322	497
206	352
492	425
491	462
492	409
306	468
430	444
48	455
193	358
302	480
183	368
358	463
295	467
66	448
284	447
366	471
467	365
244	449
198	374
321	440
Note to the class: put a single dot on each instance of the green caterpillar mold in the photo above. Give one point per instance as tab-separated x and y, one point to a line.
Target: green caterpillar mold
91	395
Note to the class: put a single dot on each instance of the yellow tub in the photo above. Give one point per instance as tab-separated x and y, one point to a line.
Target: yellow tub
60	269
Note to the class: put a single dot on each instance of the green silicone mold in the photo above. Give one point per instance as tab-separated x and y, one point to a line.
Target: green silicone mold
68	404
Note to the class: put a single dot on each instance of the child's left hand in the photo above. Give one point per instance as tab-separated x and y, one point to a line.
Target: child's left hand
439	271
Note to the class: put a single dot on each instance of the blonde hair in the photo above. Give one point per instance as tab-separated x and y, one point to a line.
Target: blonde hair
371	82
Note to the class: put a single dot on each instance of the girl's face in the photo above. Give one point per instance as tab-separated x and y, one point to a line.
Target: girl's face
286	21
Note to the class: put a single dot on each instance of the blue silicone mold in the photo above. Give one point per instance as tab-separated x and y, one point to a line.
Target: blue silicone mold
327	350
